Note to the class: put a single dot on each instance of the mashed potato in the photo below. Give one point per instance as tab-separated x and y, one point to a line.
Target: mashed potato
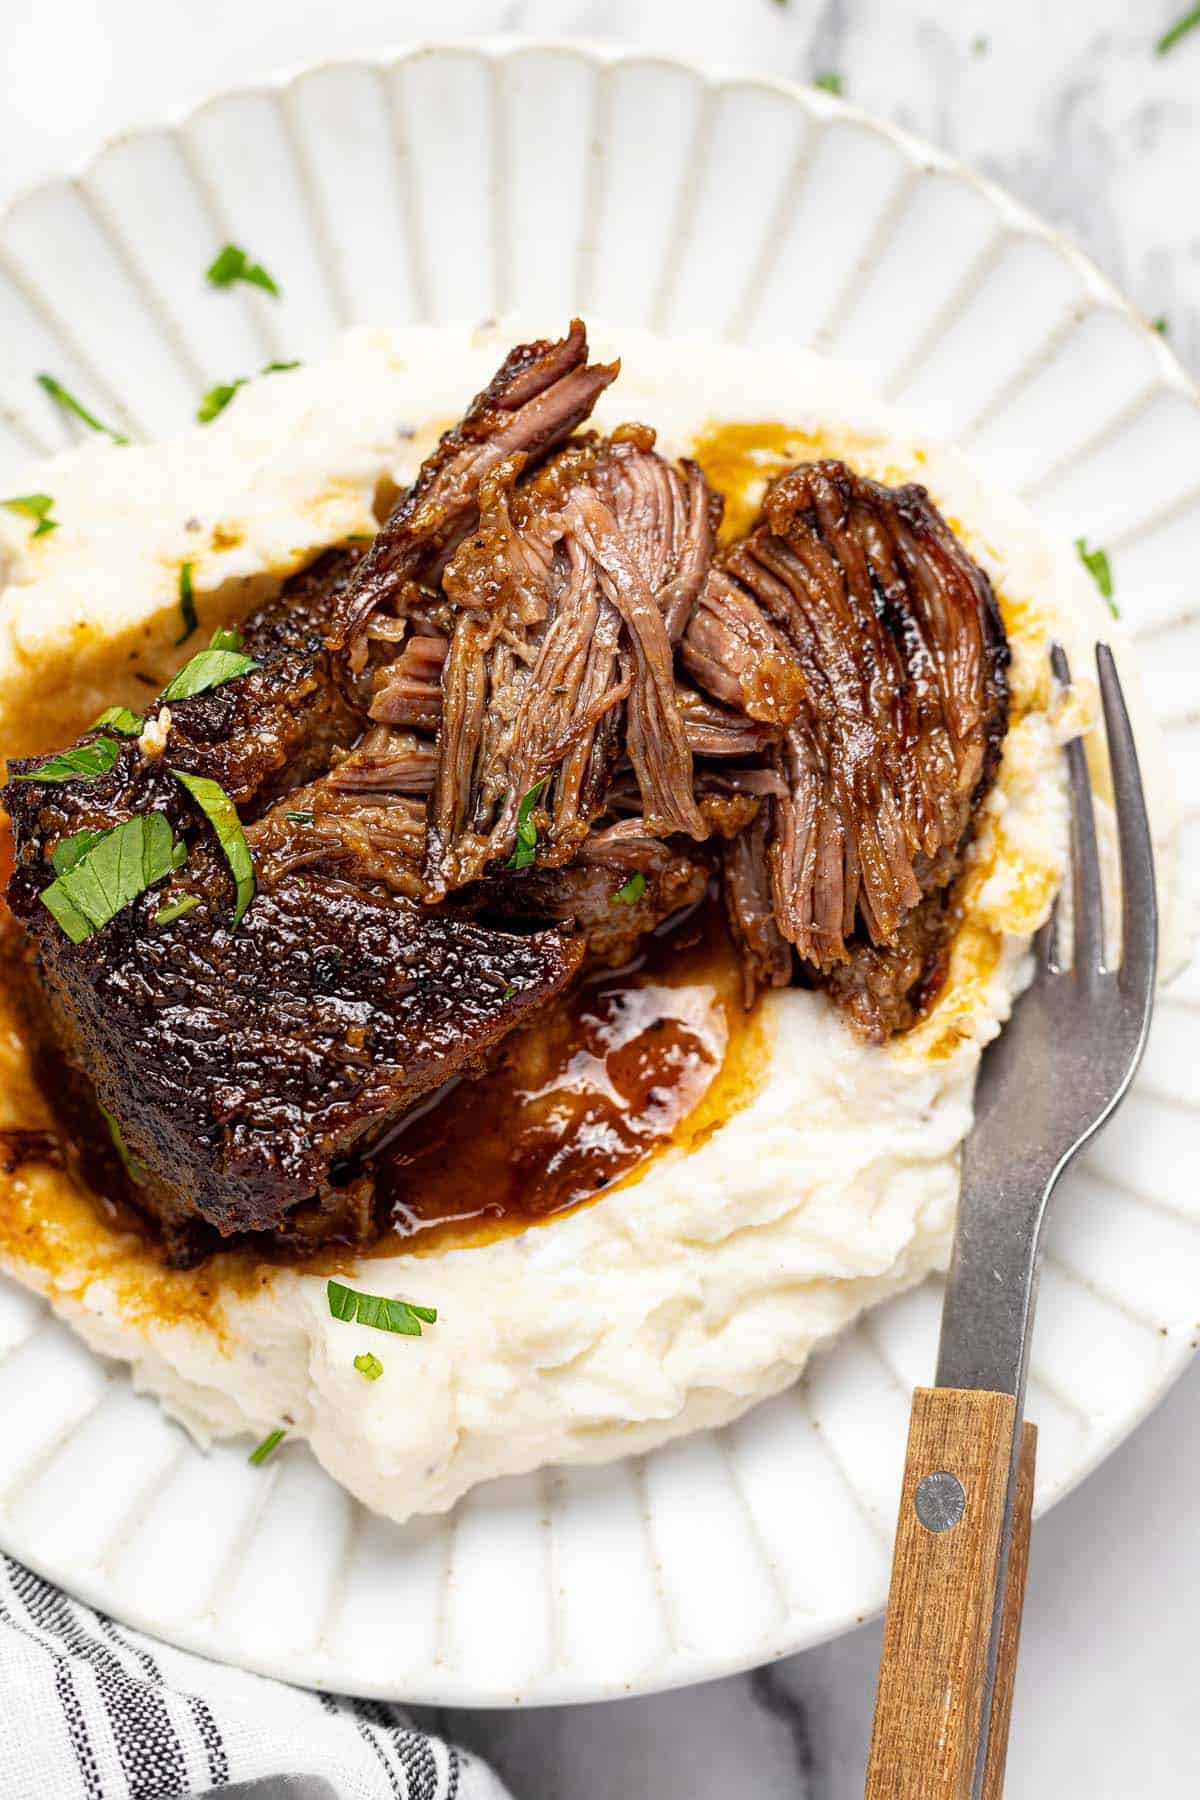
701	1286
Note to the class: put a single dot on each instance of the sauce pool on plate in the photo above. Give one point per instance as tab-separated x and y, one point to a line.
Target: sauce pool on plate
632	1061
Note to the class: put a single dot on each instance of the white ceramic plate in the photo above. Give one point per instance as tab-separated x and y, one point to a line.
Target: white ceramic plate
641	191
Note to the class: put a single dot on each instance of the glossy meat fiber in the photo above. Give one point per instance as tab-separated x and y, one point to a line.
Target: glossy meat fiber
852	620
568	595
538	396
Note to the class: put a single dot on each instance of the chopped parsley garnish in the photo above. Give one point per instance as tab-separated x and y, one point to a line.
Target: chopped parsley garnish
1160	325
525	853
119	718
232	264
83	763
33	506
508	993
129	1161
1097	565
980	46
221	814
226	637
298	817
831	83
1181	27
187	604
372	1309
633	890
271	1442
166	915
68	850
207	669
110	873
368	1364
218	398
70	403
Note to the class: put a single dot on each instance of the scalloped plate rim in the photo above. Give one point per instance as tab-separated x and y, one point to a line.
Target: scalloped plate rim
676	1668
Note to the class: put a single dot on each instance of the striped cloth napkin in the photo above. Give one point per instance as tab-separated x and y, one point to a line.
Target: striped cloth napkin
92	1711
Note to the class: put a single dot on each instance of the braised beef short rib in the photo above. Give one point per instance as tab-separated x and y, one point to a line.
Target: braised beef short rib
853	621
246	1068
540	715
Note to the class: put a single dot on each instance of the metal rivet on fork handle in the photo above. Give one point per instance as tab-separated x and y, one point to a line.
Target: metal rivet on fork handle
940	1501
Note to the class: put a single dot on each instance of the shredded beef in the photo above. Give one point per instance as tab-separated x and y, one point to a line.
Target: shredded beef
887	664
566	593
541	392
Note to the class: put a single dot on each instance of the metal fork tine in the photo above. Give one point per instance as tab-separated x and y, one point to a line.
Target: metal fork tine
1045	944
1139	922
1088	900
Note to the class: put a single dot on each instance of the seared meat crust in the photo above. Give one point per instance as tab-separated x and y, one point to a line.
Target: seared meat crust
246	1068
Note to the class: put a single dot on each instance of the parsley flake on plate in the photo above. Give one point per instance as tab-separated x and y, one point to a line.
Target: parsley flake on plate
218	398
68	850
119	718
272	1440
372	1309
104	876
830	82
166	915
84	763
525	853
187	603
221	814
130	1163
232	264
33	506
1187	22
633	890
70	403
1097	565
207	669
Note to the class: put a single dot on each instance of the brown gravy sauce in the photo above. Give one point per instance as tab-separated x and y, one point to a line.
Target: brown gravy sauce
629	1063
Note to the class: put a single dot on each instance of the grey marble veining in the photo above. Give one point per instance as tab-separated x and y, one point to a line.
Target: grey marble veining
1065	104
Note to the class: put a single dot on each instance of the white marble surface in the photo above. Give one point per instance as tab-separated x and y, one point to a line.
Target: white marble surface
1067	105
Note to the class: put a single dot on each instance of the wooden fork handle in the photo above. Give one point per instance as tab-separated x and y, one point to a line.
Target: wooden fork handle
1010	1622
940	1605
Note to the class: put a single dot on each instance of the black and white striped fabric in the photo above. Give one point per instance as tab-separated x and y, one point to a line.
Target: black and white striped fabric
92	1711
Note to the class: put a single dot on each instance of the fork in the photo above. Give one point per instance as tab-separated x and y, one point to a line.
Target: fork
1053	1077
